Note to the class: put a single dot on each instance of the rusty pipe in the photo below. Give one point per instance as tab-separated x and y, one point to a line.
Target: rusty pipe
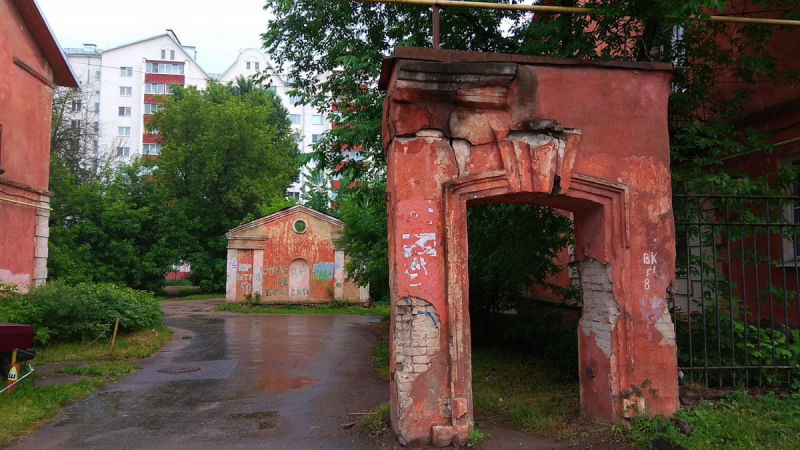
573	10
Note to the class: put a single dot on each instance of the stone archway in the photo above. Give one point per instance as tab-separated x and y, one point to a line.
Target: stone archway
468	128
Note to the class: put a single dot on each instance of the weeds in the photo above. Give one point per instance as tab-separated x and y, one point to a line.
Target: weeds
378	420
738	421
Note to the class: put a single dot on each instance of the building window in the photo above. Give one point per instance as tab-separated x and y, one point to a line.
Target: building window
97	108
97	127
151	149
294	118
154	88
172	55
123	131
316	138
125	91
97	92
125	111
75	124
124	151
126	71
248	64
96	146
167	69
294	99
97	75
317	120
76	105
150	108
163	54
256	66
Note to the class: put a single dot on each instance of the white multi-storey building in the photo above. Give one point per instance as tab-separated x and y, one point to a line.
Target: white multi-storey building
120	86
308	121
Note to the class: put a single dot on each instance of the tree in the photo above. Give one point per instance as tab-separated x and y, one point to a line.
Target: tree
117	230
704	123
224	153
75	135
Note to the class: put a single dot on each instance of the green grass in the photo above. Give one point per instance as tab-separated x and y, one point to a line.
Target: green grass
737	422
190	291
335	308
111	369
377	420
178	283
195	297
136	345
27	408
526	391
380	358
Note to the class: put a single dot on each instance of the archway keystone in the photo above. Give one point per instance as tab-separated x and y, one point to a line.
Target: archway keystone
463	129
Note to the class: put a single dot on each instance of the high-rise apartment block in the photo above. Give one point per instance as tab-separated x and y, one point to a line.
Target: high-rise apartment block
120	88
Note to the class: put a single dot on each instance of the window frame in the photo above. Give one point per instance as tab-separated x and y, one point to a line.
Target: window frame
120	131
125	71
124	111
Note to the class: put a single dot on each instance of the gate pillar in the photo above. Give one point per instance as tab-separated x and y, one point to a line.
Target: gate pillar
462	129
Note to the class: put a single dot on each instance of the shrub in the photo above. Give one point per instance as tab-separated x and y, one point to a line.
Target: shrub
60	311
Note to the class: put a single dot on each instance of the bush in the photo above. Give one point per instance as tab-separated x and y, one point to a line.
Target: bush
83	311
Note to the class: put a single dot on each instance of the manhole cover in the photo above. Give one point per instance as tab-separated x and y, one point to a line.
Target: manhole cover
177	370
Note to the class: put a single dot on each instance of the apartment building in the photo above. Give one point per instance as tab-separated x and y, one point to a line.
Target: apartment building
120	85
308	121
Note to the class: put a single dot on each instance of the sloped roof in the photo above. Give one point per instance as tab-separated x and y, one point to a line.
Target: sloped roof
286	212
169	35
46	40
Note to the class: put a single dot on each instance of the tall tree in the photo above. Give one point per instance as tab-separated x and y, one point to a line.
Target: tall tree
224	153
704	120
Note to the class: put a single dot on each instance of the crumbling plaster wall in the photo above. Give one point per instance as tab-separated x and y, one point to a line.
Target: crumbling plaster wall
464	128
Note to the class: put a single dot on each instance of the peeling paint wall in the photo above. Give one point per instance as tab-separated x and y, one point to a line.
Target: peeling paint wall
463	129
600	308
287	263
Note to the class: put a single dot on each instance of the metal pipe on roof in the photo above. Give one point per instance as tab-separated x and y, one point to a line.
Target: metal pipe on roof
573	10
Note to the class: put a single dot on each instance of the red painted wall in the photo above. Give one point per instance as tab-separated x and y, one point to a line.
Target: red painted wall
25	104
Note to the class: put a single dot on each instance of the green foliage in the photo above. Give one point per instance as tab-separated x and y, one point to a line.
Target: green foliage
475	437
316	193
119	229
59	311
365	238
736	422
226	151
509	246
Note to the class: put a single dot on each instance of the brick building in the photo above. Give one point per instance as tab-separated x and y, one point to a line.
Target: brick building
289	257
31	66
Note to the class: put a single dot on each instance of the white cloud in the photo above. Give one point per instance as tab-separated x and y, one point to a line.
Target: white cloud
219	30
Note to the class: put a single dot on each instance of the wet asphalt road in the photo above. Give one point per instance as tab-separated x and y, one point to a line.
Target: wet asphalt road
264	381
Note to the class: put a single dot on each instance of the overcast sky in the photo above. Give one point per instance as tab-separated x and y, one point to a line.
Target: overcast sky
219	29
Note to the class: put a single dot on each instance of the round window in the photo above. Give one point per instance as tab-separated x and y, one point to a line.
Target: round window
299	226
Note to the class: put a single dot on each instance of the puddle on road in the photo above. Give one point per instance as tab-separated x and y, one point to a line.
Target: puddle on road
262	418
276	382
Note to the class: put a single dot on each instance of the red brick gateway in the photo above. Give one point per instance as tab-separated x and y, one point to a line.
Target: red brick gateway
463	129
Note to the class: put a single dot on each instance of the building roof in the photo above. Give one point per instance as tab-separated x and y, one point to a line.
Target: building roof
46	40
170	35
286	212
